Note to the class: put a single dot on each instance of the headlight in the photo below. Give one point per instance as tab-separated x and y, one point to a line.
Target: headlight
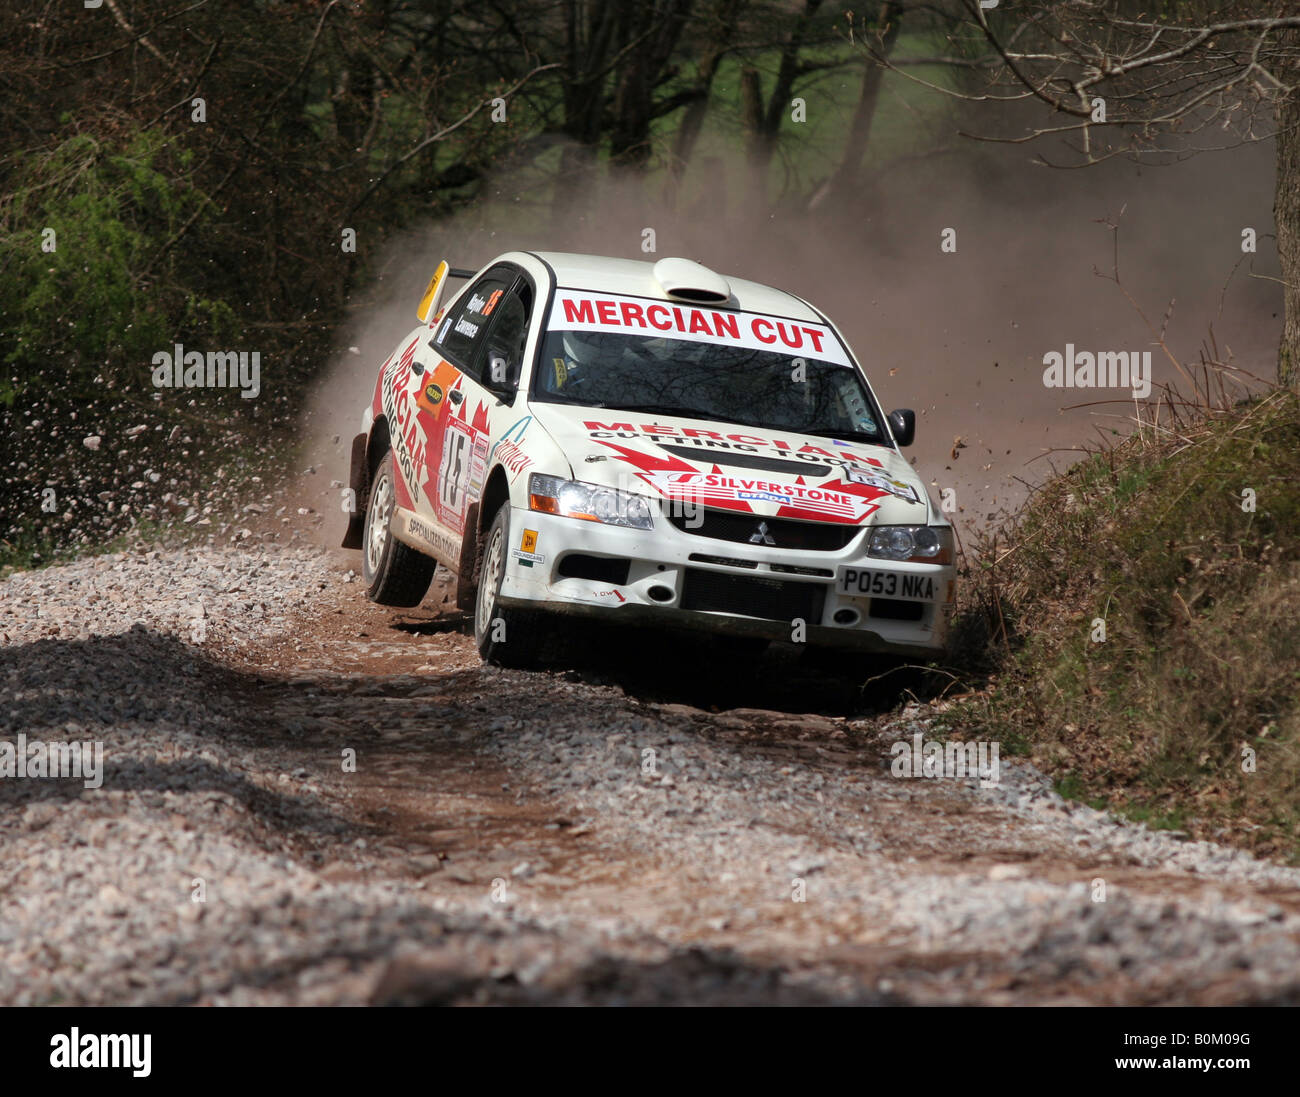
590	502
915	544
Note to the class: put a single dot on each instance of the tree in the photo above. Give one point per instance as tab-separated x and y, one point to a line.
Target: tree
1123	78
843	184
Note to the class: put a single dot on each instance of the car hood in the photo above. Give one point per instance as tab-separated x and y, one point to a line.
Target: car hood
733	467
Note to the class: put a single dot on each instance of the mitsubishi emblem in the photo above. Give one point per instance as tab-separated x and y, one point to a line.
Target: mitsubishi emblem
761	535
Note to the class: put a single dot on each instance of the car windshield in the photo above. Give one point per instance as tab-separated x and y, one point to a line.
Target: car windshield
705	380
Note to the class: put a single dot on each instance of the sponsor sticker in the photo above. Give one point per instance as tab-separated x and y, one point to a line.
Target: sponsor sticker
574	310
528	542
712	487
477	466
484	305
448	546
430	396
894	487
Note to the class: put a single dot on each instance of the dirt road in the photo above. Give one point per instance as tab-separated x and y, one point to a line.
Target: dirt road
666	823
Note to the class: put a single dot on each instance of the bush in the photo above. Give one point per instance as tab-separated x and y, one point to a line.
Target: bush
1199	669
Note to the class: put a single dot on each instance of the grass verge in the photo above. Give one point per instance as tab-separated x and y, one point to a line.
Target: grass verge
1139	627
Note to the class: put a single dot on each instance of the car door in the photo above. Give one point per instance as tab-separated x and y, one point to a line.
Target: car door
477	351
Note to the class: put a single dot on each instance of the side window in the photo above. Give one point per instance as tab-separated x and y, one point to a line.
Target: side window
463	330
507	338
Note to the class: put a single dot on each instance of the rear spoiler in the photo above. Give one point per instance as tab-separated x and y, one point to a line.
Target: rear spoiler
428	306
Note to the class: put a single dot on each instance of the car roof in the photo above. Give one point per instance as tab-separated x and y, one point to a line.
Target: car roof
635	278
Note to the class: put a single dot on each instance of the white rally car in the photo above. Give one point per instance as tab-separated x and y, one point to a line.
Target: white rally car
645	443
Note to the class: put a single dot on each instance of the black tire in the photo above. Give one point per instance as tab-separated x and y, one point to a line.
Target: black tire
506	637
394	573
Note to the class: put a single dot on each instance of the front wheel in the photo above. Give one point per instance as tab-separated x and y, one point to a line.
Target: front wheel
508	637
394	573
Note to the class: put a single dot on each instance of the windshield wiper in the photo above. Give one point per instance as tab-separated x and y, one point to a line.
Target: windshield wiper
664	409
556	398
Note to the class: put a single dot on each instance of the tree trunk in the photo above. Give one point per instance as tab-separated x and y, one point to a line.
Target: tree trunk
720	32
1286	216
767	125
751	121
844	183
644	70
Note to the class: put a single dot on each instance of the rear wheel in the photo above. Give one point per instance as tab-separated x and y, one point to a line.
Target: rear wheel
506	636
394	573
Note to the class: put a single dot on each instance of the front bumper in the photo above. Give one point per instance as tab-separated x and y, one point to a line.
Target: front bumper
670	577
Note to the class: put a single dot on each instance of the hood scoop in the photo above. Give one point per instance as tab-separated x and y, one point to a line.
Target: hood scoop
686	280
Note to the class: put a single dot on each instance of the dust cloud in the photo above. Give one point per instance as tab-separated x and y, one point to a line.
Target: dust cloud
958	336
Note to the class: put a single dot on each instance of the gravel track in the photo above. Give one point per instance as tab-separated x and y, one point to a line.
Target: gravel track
504	838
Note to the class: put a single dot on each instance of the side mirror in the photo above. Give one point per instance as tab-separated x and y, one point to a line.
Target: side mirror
902	422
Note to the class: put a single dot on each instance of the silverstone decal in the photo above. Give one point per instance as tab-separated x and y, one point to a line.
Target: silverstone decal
834	501
721	489
574	310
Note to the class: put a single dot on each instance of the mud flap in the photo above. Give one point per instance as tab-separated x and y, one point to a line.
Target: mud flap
466	587
358	478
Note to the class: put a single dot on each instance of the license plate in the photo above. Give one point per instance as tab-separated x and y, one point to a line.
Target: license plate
903	585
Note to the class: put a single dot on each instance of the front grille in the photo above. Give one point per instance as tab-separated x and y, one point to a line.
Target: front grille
791	569
749	596
725	561
726	525
601	569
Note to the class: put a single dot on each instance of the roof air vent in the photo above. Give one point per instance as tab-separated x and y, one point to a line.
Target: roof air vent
686	280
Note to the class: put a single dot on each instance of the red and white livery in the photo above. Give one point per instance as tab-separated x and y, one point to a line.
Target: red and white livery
646	443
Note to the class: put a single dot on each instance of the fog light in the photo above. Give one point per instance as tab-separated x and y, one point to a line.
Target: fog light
845	617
